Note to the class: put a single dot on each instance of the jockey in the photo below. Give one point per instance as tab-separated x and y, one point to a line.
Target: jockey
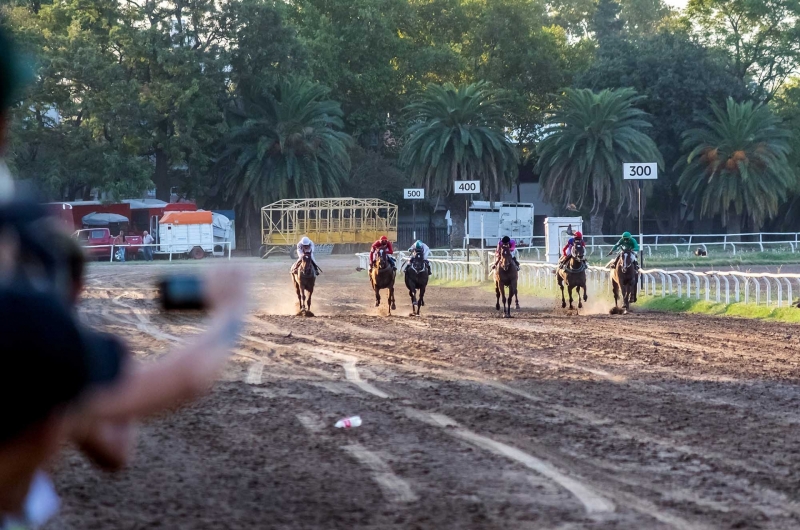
498	253
382	244
421	248
566	252
627	242
304	245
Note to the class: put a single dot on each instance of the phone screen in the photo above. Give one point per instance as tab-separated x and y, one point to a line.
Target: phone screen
182	292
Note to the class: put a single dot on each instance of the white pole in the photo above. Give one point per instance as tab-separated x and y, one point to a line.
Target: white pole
481	231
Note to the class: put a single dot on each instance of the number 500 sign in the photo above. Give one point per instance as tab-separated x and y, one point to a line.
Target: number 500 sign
640	171
467	186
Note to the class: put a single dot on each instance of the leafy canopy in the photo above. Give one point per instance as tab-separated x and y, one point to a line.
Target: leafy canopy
588	139
458	133
737	163
285	142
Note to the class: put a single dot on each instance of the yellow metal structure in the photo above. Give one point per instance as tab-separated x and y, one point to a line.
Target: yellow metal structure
328	221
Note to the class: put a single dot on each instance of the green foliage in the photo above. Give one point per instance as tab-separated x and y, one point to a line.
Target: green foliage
285	142
457	133
737	163
588	139
761	36
678	78
606	23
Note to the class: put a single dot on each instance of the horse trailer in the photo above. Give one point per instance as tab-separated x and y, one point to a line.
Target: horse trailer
500	219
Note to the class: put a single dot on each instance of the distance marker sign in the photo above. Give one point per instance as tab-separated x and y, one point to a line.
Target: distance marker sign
414	193
640	171
467	186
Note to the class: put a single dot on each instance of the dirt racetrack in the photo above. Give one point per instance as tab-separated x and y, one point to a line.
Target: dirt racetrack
471	421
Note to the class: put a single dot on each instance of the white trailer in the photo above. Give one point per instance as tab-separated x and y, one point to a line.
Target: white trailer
501	219
190	233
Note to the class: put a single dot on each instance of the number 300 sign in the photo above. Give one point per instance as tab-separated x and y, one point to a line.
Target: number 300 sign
640	171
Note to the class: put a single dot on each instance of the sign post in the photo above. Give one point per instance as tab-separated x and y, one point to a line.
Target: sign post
467	187
414	194
640	172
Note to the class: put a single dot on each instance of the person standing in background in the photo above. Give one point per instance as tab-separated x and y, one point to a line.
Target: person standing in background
148	251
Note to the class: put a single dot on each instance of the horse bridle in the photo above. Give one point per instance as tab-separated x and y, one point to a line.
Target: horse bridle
417	259
506	258
626	261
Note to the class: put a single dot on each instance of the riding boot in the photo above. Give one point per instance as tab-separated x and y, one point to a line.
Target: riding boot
428	268
516	263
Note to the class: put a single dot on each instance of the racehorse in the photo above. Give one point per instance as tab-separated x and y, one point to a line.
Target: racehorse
416	276
304	279
506	275
382	277
574	275
624	279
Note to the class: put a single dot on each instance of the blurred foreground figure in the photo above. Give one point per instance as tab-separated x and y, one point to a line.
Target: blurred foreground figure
64	382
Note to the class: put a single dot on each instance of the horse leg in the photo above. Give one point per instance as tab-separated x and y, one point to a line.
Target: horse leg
578	291
497	288
561	285
569	290
585	296
421	298
505	305
298	290
512	293
615	287
308	302
391	298
377	296
413	294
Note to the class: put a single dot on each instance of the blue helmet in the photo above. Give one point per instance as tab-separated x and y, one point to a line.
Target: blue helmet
418	244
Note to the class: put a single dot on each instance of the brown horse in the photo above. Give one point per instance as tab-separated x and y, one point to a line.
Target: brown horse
574	275
506	275
304	279
624	279
382	276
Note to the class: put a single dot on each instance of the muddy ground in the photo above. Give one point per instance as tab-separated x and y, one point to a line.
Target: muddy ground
548	420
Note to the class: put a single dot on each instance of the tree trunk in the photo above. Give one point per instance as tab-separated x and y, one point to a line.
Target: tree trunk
457	216
161	177
596	223
734	226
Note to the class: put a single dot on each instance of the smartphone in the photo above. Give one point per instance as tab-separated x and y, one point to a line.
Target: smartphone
181	292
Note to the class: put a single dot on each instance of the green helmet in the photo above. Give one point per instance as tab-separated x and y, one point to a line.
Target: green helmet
626	235
418	244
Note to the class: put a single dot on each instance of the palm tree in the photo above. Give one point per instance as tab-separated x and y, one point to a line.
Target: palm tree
587	140
284	142
737	165
458	133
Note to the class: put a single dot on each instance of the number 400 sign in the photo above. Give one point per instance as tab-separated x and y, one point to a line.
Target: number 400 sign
640	171
467	186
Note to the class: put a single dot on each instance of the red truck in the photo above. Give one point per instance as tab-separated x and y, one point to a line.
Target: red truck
93	237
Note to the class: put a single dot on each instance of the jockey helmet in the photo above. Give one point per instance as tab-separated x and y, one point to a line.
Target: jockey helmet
418	244
506	240
626	235
384	238
578	235
305	241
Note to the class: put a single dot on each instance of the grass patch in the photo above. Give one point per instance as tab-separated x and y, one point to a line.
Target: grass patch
683	305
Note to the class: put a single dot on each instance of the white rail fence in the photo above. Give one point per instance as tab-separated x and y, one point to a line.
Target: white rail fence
713	286
169	251
687	243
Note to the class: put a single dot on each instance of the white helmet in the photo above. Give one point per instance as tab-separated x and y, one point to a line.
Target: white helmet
305	241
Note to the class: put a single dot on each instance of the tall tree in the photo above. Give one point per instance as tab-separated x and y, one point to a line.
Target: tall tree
283	142
458	133
606	23
762	37
588	139
678	77
737	164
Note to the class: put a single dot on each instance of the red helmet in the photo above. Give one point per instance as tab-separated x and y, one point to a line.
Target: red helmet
578	235
384	238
